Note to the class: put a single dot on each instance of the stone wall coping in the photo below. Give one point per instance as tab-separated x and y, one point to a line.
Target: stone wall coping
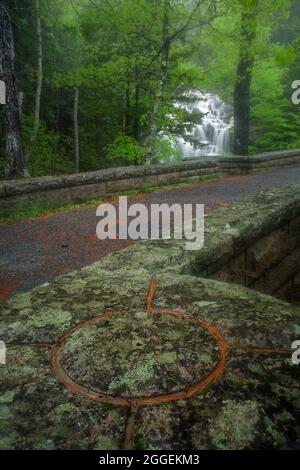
29	185
24	186
262	157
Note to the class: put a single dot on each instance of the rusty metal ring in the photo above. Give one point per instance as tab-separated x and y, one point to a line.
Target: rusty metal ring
78	389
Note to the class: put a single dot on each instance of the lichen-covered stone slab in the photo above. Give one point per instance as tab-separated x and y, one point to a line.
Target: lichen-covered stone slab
253	404
37	413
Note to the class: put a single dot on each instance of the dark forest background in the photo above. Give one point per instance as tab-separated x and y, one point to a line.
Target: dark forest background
96	80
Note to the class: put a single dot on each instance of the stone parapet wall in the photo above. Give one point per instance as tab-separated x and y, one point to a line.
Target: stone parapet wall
59	190
238	165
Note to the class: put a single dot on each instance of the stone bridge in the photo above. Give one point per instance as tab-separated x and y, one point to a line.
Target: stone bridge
155	347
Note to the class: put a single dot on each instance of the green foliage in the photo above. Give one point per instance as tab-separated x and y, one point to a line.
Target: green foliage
165	150
125	150
112	50
32	210
48	154
2	166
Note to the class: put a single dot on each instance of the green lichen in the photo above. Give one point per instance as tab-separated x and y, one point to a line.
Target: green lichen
277	438
236	426
106	443
80	340
167	357
7	441
7	397
17	373
140	375
21	301
65	408
174	334
49	316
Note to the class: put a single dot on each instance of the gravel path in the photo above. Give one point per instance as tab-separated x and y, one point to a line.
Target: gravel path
34	251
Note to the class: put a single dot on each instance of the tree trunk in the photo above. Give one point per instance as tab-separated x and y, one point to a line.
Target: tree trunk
164	68
14	152
39	75
57	110
2	92
20	103
76	132
136	121
57	116
243	85
126	112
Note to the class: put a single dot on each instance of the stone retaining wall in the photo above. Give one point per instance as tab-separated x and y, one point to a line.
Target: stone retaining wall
256	244
59	190
237	165
271	265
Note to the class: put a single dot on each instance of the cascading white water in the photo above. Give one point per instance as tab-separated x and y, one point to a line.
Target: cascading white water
213	133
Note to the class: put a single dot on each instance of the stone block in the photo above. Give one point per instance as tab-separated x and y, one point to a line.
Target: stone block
148	180
2	190
258	284
282	272
166	178
215	254
197	173
285	292
233	271
88	191
51	197
9	204
266	252
119	185
296	287
294	233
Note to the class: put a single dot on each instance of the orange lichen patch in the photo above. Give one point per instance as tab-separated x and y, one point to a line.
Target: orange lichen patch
86	392
151	294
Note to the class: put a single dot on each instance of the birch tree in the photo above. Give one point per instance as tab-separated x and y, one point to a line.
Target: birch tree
76	128
39	74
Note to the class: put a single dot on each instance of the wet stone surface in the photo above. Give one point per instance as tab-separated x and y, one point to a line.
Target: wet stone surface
253	403
139	354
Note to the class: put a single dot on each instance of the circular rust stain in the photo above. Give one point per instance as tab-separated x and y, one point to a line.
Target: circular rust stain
79	389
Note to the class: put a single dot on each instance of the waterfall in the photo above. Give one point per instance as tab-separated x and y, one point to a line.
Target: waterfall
213	133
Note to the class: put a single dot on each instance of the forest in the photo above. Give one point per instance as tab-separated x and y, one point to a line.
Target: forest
92	84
